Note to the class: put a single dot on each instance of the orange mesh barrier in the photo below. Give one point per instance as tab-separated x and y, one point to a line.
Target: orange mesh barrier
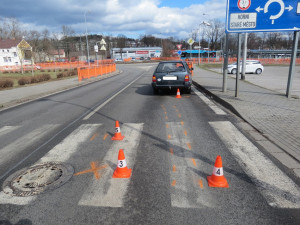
127	60
66	65
94	71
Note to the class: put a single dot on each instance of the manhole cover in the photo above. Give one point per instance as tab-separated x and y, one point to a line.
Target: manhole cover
37	179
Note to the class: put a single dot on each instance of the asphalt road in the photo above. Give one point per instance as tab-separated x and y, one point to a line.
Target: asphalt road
170	144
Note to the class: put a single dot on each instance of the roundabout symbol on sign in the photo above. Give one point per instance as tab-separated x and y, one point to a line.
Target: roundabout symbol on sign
279	14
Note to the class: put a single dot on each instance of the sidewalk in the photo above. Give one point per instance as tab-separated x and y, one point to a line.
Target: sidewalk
271	113
16	96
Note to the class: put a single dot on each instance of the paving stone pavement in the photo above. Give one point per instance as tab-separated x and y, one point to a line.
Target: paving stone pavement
271	113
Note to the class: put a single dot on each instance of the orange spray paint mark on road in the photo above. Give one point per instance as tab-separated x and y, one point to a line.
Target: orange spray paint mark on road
200	183
194	161
179	115
185	133
167	125
174	168
93	170
171	151
105	136
189	145
182	123
166	117
173	183
94	136
169	136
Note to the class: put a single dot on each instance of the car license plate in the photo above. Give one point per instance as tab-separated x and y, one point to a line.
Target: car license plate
170	78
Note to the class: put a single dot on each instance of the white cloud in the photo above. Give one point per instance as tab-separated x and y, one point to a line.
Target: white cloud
116	16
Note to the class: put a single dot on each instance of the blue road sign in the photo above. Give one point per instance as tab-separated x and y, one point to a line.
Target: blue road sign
179	52
262	15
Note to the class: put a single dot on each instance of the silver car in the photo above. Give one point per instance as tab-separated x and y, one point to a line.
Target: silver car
172	75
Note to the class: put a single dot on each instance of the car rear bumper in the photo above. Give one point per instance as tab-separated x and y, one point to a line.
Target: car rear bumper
186	85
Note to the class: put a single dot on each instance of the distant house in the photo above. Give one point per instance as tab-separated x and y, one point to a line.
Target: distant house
11	51
57	55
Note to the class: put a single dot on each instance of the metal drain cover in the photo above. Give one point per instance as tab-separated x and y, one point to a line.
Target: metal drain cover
38	179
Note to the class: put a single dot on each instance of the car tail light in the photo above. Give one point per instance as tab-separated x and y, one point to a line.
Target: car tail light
154	78
186	78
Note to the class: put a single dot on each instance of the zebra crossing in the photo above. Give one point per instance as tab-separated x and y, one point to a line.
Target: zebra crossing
279	190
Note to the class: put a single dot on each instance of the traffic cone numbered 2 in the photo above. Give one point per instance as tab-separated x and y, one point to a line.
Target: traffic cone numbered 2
118	136
122	171
178	93
217	179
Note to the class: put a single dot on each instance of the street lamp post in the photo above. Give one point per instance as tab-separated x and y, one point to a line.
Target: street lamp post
207	24
87	42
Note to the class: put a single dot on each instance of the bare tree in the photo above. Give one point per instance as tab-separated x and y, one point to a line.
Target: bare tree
121	43
214	32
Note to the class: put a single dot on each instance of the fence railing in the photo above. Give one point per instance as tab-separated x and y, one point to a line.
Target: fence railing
94	71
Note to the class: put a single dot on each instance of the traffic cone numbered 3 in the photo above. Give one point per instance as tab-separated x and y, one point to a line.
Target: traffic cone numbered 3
178	93
118	136
217	179
122	171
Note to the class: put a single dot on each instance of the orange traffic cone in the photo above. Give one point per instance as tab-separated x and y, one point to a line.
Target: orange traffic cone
178	93
122	171
217	179
118	136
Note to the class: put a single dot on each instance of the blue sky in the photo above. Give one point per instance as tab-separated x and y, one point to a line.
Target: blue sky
162	18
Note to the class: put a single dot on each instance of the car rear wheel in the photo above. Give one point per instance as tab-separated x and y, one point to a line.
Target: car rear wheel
188	91
233	71
155	91
258	71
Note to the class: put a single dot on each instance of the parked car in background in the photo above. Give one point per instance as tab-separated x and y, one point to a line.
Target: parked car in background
172	75
252	66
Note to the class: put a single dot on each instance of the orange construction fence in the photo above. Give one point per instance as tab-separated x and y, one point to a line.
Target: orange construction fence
89	72
66	65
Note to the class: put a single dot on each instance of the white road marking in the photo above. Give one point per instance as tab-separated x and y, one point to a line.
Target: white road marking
108	100
108	191
7	129
212	105
22	143
185	174
277	188
60	153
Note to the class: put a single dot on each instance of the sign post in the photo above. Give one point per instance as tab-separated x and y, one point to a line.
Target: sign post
191	42
244	16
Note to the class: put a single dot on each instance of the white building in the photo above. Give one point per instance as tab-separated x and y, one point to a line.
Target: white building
145	52
10	50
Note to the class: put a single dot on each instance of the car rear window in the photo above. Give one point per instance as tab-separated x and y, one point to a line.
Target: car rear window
170	67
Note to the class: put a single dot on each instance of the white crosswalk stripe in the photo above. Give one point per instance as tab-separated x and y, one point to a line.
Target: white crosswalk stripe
108	191
184	180
22	143
60	153
212	105
7	129
277	188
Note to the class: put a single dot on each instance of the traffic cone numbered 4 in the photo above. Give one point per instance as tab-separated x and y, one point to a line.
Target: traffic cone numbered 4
122	171
217	179
178	93
118	136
